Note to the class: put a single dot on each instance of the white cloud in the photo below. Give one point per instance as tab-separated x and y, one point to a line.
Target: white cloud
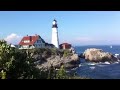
13	38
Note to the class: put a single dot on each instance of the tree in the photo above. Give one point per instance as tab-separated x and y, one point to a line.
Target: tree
23	67
6	57
16	64
19	64
61	74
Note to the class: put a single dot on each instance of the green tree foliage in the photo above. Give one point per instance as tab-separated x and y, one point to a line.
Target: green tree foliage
6	57
66	53
3	74
19	64
15	64
61	74
52	73
23	67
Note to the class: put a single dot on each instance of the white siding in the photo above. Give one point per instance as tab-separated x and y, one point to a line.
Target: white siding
26	47
39	43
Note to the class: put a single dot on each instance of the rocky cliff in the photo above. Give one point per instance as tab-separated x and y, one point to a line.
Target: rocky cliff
57	61
56	58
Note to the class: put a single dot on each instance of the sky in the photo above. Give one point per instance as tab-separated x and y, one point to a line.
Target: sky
75	27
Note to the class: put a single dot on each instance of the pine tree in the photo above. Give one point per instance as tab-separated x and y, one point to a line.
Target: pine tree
61	74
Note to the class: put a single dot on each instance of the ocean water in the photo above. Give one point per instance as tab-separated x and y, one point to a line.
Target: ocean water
99	70
115	48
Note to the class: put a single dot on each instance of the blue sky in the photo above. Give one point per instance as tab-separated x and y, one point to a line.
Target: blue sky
75	27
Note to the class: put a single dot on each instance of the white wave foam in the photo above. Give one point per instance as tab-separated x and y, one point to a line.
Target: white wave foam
92	67
107	62
91	64
80	65
116	62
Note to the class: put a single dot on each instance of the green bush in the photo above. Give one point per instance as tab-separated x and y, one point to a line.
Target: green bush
61	74
66	53
15	64
54	51
19	64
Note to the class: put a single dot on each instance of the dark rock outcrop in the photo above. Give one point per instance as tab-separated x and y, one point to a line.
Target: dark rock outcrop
81	55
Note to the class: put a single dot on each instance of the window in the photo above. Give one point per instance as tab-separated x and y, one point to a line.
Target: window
25	46
26	41
36	45
38	41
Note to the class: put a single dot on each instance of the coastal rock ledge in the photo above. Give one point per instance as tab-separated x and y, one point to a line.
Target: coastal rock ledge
98	55
69	62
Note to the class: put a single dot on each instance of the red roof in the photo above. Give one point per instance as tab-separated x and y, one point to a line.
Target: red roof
65	44
32	39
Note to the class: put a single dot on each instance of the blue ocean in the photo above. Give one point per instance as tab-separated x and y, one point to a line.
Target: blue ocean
99	70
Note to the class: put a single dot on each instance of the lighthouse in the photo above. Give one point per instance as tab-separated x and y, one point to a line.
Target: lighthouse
55	39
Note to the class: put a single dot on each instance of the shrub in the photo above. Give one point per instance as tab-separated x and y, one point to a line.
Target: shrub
19	64
61	74
66	53
54	51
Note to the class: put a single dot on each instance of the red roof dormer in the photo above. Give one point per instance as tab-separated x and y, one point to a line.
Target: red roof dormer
31	39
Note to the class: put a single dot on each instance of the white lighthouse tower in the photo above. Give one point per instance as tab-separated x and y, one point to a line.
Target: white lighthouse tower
55	39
